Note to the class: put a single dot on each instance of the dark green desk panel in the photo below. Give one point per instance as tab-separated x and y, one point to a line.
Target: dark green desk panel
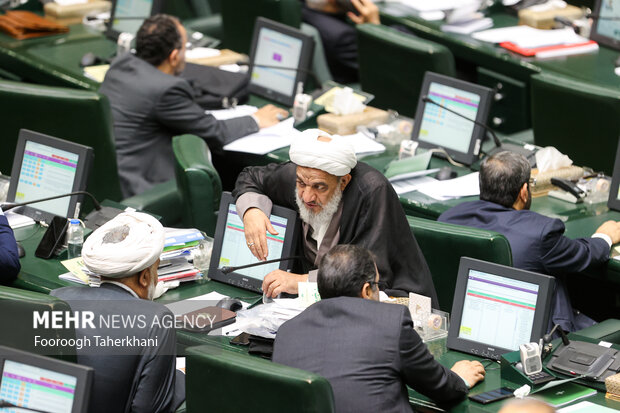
54	60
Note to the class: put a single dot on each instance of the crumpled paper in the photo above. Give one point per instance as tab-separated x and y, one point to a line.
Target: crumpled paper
346	104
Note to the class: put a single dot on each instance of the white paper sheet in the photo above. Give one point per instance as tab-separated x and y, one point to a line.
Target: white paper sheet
266	140
430	5
363	144
466	185
201	53
529	37
17	220
237	112
412	184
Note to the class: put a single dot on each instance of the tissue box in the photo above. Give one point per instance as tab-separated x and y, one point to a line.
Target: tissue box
74	13
544	19
346	124
612	384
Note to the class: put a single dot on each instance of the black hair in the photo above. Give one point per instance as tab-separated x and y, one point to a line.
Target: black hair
344	270
502	176
158	36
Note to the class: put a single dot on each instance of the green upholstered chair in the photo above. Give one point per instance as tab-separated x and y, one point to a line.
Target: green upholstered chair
392	65
74	115
444	244
608	330
200	187
199	15
77	116
226	381
16	322
238	17
580	119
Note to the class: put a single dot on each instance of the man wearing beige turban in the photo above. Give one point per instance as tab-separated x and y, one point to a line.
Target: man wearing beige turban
340	201
128	377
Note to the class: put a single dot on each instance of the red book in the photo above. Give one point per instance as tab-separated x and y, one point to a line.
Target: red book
554	50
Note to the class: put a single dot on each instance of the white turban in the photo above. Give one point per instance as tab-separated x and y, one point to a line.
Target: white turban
124	246
336	157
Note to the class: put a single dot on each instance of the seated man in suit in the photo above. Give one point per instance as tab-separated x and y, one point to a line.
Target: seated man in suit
151	104
340	201
138	375
9	256
338	36
366	349
537	242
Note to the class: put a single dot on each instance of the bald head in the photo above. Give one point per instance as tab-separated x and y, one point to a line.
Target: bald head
527	405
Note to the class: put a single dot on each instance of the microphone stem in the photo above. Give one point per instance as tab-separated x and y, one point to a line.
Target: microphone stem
227	270
11	206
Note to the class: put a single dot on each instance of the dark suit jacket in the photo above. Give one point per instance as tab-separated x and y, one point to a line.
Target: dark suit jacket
149	107
368	351
339	42
127	379
9	257
372	217
537	242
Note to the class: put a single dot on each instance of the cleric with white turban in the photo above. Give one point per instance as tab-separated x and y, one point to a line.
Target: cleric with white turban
340	201
124	246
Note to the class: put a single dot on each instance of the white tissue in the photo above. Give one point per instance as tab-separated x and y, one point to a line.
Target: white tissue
346	104
522	391
162	287
549	159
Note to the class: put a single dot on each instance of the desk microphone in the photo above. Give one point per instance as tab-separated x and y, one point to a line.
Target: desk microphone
547	337
5	206
499	145
227	270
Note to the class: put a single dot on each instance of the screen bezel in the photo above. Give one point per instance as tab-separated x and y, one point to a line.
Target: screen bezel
156	7
541	317
598	37
83	374
482	115
82	171
305	57
240	280
613	202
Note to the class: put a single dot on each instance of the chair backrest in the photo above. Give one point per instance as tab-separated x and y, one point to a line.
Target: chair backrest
580	119
17	308
239	16
392	65
198	183
227	381
75	115
444	244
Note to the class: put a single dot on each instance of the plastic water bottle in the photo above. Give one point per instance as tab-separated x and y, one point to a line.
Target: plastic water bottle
75	238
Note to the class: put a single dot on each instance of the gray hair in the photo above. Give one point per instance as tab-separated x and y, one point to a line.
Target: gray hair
502	176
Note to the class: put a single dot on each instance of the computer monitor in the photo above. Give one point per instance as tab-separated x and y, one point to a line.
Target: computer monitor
277	45
45	166
230	248
614	194
606	26
436	127
43	383
497	308
127	15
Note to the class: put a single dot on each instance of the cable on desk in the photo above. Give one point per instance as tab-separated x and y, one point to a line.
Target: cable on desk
448	157
39	226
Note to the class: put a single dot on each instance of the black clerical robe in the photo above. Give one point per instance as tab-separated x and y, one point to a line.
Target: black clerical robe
372	217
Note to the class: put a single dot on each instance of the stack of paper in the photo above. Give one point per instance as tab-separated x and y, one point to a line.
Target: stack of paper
180	242
177	269
362	144
18	220
466	185
266	140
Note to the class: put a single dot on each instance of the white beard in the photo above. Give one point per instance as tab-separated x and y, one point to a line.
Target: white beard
323	217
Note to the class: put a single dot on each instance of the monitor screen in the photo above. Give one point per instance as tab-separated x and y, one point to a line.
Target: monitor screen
497	308
437	127
45	166
43	383
230	248
37	388
46	171
127	15
276	45
606	25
